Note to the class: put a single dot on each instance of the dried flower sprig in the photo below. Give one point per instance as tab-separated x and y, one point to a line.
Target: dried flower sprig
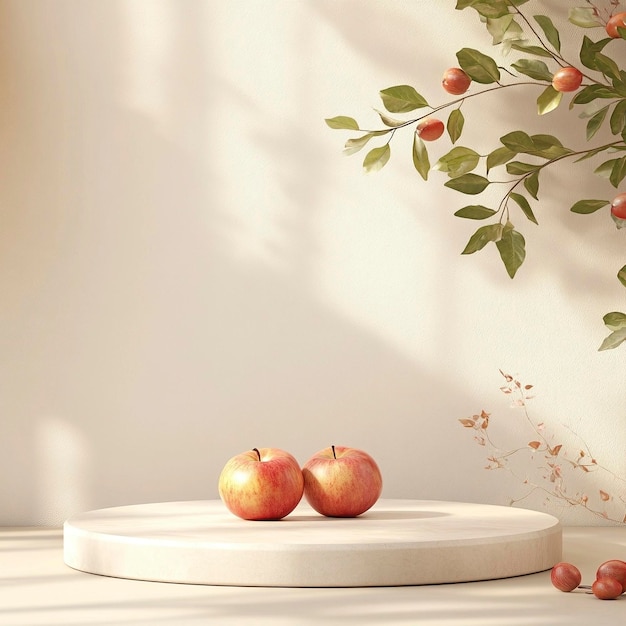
559	467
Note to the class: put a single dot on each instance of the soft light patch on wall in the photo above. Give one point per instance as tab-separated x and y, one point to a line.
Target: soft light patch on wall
63	470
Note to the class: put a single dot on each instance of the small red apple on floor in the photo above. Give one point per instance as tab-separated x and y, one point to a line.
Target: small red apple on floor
341	481
261	484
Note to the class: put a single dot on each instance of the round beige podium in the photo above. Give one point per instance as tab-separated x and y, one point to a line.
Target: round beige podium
396	542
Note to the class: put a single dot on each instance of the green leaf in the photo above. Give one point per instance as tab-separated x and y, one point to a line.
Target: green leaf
470	184
524	205
402	99
512	248
491	8
605	169
584	207
537	70
584	17
377	158
593	92
504	29
549	30
475	212
589	49
499	156
618	118
354	145
621	276
456	121
536	50
548	146
518	141
548	100
458	161
531	183
607	66
482	237
618	172
480	67
616	338
342	121
595	122
518	168
615	320
390	121
421	161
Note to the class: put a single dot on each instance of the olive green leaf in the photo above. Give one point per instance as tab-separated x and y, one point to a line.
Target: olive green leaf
531	184
402	99
518	141
621	276
480	67
607	66
584	207
389	121
488	8
589	49
618	118
615	320
475	212
499	156
355	144
504	29
538	51
470	184
618	172
616	338
593	92
342	121
533	68
482	237
377	158
455	124
584	17
548	100
518	168
595	122
524	205
421	161
458	161
549	30
512	249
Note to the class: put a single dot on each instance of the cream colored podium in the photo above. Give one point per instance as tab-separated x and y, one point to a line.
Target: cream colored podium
396	542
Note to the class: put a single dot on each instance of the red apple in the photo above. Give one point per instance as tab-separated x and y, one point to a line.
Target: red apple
617	21
261	484
567	79
430	129
455	81
618	206
341	481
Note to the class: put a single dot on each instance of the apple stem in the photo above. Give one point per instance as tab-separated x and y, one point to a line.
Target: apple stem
584	587
257	452
333	449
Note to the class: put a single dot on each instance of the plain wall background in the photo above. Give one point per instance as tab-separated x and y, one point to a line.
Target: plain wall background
189	267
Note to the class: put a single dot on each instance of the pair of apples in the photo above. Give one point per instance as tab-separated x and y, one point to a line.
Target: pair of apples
268	483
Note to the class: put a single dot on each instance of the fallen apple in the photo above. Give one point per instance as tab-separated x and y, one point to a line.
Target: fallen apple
261	484
341	481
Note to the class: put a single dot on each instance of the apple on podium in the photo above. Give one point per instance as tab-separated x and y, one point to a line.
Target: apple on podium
261	484
341	481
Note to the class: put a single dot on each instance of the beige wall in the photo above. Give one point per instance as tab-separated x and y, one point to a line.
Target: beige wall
189	267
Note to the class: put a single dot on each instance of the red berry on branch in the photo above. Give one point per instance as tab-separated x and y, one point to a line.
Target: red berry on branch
618	206
617	21
455	81
567	79
430	129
